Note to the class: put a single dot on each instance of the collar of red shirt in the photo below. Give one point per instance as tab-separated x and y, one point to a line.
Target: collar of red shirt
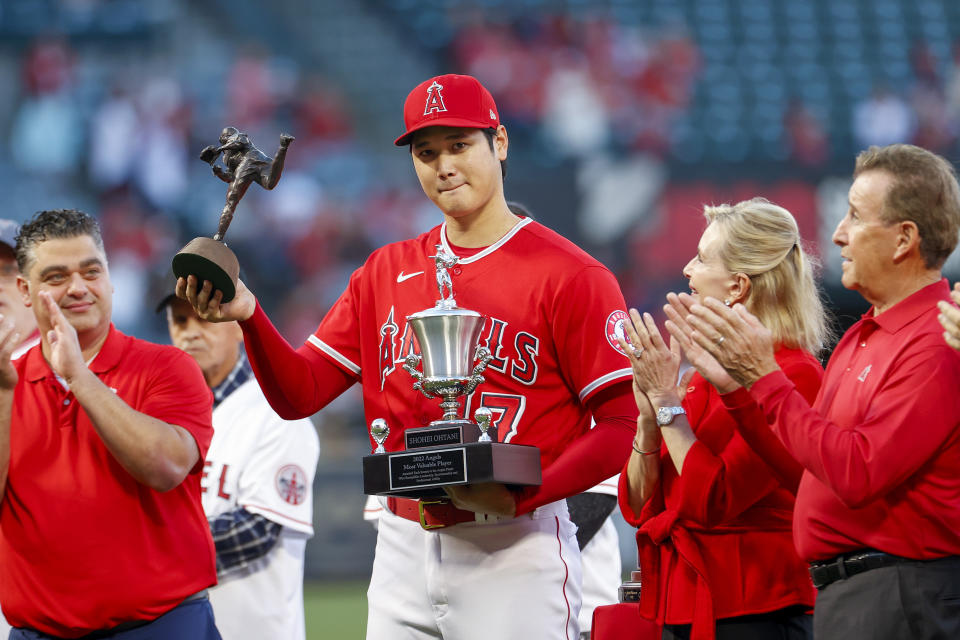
910	308
36	367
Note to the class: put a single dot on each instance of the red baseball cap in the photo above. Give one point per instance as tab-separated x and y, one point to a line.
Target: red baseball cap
448	101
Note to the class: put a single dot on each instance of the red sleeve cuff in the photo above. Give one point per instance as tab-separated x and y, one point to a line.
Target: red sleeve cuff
628	515
770	385
255	321
737	399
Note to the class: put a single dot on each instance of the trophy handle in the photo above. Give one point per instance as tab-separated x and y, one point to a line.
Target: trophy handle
410	364
484	357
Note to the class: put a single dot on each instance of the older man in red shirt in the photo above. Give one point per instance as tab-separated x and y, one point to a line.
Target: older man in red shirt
878	508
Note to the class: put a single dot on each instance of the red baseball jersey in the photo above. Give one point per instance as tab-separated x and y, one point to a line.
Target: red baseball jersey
553	314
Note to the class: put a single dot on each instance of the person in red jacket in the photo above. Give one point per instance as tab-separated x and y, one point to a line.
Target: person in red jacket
878	507
714	545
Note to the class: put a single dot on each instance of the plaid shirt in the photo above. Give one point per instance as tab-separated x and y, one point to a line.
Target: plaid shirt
240	536
240	373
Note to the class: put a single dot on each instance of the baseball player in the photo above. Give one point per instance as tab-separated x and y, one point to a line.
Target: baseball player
256	487
488	561
596	536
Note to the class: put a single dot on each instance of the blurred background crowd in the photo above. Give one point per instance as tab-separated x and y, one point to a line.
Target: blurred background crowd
625	117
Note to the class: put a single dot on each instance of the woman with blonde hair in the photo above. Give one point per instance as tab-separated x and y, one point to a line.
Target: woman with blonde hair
713	513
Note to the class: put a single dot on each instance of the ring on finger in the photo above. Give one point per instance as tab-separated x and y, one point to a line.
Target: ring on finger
637	352
720	341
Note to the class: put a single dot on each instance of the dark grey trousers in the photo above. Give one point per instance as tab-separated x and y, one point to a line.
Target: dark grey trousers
791	623
914	599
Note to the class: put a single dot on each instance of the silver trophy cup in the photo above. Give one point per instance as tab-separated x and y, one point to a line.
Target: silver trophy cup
453	450
452	361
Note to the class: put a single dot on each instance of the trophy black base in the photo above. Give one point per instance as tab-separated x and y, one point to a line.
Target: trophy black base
212	260
423	472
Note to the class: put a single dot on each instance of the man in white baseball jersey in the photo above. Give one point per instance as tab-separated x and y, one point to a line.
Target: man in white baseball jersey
257	487
599	548
596	536
489	561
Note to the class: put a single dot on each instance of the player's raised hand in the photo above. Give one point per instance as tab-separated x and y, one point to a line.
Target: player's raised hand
677	310
206	302
950	318
735	338
484	497
66	357
9	339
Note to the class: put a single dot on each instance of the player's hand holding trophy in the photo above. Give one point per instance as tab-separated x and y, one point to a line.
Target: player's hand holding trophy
452	450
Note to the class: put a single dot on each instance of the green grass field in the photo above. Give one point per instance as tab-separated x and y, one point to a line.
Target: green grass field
335	610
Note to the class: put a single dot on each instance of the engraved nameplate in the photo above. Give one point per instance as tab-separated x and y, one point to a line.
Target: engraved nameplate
433	437
428	469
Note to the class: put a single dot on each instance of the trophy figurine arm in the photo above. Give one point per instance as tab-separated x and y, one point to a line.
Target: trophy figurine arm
226	176
210	154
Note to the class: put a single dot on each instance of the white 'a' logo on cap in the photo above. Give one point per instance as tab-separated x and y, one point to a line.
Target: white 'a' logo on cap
434	99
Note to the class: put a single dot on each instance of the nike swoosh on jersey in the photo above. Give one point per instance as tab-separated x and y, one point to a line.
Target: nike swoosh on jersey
406	276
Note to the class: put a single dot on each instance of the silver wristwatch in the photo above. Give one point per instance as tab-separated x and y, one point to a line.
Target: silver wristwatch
665	415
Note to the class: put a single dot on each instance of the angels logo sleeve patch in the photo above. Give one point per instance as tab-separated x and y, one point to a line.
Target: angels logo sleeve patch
292	484
615	322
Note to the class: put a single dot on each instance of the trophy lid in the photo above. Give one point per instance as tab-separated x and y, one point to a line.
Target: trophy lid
439	311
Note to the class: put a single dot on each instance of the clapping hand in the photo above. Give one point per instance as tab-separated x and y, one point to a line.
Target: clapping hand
950	318
66	357
735	338
677	310
656	366
9	339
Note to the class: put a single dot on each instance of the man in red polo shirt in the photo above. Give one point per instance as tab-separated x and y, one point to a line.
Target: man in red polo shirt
878	507
102	440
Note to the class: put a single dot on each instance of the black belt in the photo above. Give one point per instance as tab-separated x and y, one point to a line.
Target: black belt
850	564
